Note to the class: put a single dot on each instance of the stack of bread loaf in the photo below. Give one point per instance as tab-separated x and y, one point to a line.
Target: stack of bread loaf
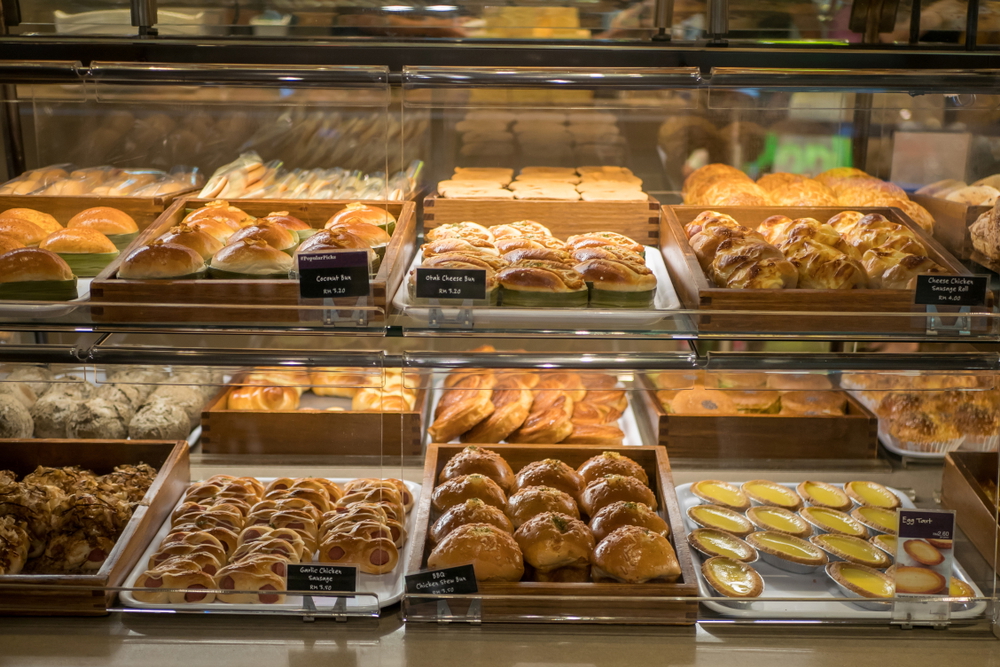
267	389
849	251
528	407
239	535
983	192
553	183
62	180
722	185
526	266
533	525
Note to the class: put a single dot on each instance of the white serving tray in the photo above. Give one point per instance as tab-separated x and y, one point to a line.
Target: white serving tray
555	318
388	588
829	600
14	309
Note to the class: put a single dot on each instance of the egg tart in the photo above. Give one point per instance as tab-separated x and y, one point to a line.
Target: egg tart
872	494
923	552
732	578
862	582
878	519
779	519
712	542
764	492
721	518
721	493
833	521
821	494
940	544
852	549
959	589
886	543
787	552
917	580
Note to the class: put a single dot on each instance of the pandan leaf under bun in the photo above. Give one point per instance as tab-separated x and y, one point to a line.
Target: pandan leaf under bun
88	264
39	290
610	299
48	223
529	299
123	241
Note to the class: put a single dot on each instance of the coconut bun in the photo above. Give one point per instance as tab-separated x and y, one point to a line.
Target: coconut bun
78	240
104	219
160	260
197	239
43	220
33	264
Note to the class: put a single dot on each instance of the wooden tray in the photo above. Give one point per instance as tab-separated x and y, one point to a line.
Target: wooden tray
748	437
791	310
962	490
257	295
648	603
637	220
88	595
951	223
310	432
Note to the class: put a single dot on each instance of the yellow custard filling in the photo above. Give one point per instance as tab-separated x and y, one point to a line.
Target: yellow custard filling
880	517
737	578
788	545
874	494
776	518
887	542
854	548
959	589
871	582
719	543
722	493
721	518
772	493
834	521
825	494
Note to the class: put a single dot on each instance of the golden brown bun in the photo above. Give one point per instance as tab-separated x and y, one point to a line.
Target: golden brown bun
552	540
600	239
635	555
48	223
541	276
460	409
475	460
472	510
218	229
813	403
593	433
493	553
611	488
198	240
373	235
611	463
623	513
615	276
373	215
78	240
534	500
333	239
160	260
8	243
219	210
275	236
32	264
25	232
551	473
805	382
471	245
544	254
289	222
263	398
252	256
459	230
701	401
460	489
104	219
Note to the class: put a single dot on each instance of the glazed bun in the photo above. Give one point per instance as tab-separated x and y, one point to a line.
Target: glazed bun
534	500
252	256
460	489
552	473
8	243
372	234
612	488
552	540
104	219
22	231
220	210
635	555
289	222
373	215
492	552
198	240
624	513
337	238
160	260
48	223
476	460
611	463
33	264
218	229
275	236
472	510
78	240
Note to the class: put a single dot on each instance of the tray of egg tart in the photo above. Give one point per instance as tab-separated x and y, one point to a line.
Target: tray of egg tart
808	550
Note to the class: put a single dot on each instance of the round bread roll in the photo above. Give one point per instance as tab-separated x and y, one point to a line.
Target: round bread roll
72	386
48	223
552	473
534	500
611	463
51	414
39	378
552	540
472	510
337	238
460	489
160	420
252	257
78	240
188	398
289	222
160	260
15	419
33	264
276	236
635	555
611	488
371	234
22	231
133	395
373	215
104	219
217	229
624	513
198	240
220	210
98	418
8	243
492	552
702	401
799	382
21	391
476	460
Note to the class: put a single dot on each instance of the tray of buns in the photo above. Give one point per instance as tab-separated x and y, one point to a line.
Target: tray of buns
968	486
236	263
829	547
531	407
120	491
572	533
237	534
275	411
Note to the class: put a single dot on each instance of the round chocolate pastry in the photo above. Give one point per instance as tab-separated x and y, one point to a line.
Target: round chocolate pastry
611	463
39	378
551	540
15	420
472	510
552	473
492	552
534	500
98	418
159	420
624	513
476	460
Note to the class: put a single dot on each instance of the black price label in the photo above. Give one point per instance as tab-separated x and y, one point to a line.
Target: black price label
322	578
333	275
449	581
951	290
927	524
451	283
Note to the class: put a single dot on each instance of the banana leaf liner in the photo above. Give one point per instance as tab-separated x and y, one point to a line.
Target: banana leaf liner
39	290
88	264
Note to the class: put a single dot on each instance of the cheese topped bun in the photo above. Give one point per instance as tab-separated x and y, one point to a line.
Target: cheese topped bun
104	219
78	240
33	264
43	220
